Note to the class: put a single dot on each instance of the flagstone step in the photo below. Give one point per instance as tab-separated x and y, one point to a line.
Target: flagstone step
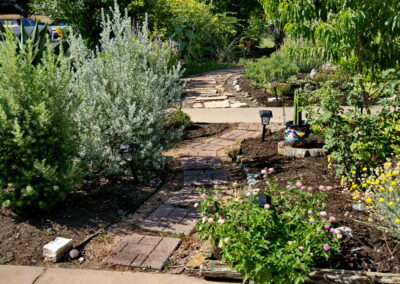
214	98
217	104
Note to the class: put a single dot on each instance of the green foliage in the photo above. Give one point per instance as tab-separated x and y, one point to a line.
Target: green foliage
178	119
227	50
297	114
256	29
37	40
275	244
262	71
126	90
38	138
283	89
306	55
356	139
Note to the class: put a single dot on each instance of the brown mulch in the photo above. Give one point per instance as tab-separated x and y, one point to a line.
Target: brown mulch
262	95
370	249
197	130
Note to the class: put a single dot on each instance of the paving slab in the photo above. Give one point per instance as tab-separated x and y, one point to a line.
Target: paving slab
143	251
217	104
214	98
179	221
204	177
239	134
197	163
10	274
184	198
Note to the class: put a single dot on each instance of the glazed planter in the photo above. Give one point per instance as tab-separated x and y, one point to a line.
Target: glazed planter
247	43
298	135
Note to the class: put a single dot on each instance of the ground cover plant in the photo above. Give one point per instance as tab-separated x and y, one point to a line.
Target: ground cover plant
276	243
129	98
38	137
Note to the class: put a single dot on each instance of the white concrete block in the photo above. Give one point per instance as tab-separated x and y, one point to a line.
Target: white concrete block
55	250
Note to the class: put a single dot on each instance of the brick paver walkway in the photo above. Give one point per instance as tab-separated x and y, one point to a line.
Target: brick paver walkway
143	251
201	167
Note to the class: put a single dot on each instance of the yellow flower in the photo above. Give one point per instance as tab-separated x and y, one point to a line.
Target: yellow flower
354	186
353	172
355	197
381	188
383	178
381	199
364	169
391	189
393	183
364	185
397	220
388	174
368	200
377	181
388	164
394	173
390	203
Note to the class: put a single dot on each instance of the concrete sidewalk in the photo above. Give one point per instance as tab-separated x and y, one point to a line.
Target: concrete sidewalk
10	274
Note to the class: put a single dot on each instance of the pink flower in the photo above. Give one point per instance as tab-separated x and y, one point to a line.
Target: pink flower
221	221
311	221
195	221
303	187
310	188
210	220
298	184
235	184
326	247
318	231
267	206
205	218
271	170
332	230
332	219
203	196
327	227
265	176
256	190
310	212
323	214
301	248
263	172
321	187
323	220
288	186
329	187
215	186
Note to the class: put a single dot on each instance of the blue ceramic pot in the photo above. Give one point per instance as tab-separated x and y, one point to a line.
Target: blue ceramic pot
298	135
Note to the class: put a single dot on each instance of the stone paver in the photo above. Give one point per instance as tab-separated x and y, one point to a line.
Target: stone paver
177	220
143	251
204	177
240	134
200	163
186	197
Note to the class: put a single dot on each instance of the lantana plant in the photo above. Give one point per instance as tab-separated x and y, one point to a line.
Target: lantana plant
275	243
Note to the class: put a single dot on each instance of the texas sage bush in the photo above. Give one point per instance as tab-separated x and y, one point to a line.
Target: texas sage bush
126	88
277	243
38	137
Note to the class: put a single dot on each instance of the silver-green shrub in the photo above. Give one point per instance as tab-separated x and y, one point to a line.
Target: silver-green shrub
38	136
126	88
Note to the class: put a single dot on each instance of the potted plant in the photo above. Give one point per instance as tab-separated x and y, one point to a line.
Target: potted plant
297	132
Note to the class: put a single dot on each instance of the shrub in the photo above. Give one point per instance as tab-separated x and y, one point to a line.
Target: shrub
306	55
125	90
262	71
383	195
178	119
38	138
283	90
274	244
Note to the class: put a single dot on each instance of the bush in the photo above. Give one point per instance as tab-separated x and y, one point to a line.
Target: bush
306	55
275	244
262	71
383	195
178	119
38	138
125	90
283	90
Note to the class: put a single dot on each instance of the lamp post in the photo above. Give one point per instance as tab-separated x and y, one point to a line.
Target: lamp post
178	103
274	85
265	116
126	151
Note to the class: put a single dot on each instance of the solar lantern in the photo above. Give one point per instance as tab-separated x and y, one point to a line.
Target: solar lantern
274	84
178	103
127	151
265	116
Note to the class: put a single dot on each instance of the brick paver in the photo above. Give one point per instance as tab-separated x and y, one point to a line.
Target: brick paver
177	220
239	134
200	163
143	251
186	197
204	177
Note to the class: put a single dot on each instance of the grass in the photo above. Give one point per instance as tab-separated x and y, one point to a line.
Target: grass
205	67
266	43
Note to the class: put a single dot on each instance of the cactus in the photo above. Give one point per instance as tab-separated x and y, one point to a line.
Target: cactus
297	116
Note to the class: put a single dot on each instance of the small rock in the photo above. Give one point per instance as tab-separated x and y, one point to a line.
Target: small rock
81	259
251	182
73	254
246	95
346	231
253	176
358	207
237	88
272	99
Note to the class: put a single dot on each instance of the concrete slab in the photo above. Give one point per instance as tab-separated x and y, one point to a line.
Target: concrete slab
10	274
217	104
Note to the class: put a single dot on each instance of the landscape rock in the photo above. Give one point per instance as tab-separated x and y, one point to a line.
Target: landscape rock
55	250
217	104
73	254
237	88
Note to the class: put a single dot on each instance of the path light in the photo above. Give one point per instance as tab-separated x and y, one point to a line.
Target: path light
274	85
266	116
126	151
178	103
